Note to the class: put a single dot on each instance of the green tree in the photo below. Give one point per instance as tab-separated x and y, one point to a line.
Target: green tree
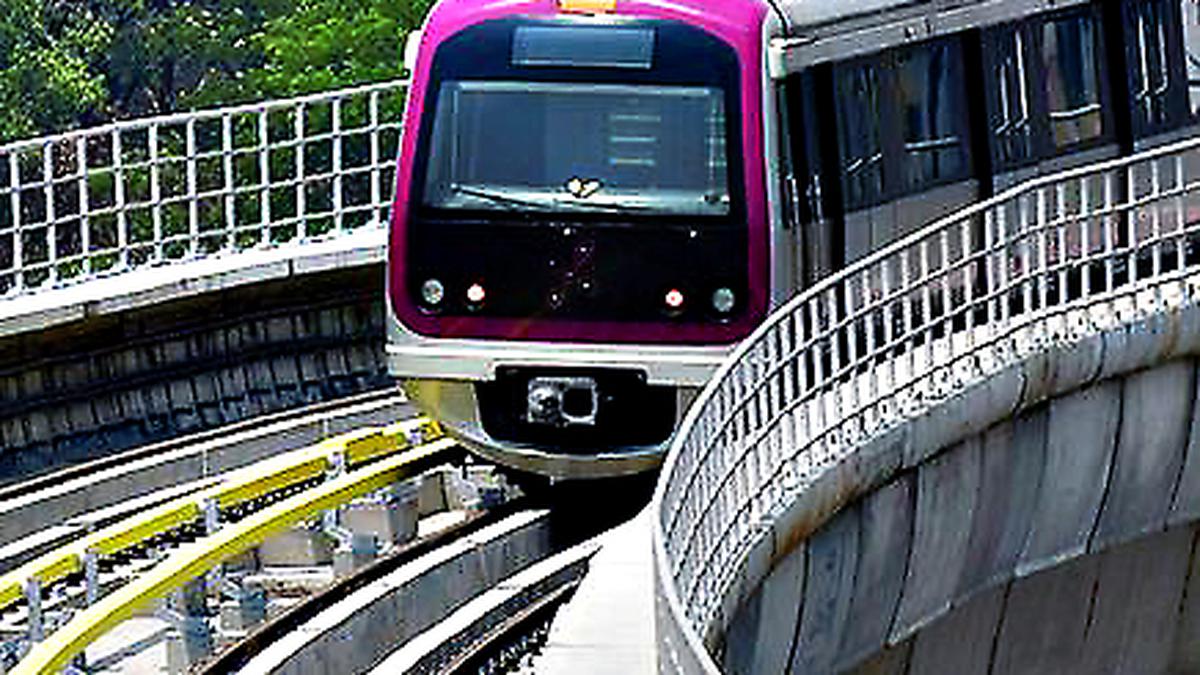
168	55
47	54
70	63
320	44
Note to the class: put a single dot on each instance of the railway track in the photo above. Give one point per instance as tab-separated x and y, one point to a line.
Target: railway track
54	605
503	631
412	612
177	558
51	510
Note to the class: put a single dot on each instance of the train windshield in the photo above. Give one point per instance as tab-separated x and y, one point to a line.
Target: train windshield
575	147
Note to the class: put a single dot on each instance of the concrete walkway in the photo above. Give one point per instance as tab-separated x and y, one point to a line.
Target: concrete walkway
608	627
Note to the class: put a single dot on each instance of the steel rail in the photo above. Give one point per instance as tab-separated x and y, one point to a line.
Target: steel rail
516	608
194	559
536	614
234	657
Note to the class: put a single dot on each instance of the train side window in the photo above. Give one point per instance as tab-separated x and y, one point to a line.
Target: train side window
1149	72
1191	49
1069	53
1011	121
932	106
860	114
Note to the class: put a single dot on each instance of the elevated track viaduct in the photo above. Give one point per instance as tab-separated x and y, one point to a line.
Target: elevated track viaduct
976	451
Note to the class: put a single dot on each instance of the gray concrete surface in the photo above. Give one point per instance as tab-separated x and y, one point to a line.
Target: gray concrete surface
608	627
360	631
432	650
1111	612
1055	537
93	369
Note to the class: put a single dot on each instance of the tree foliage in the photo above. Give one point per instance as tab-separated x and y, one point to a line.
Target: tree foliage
70	63
49	75
322	44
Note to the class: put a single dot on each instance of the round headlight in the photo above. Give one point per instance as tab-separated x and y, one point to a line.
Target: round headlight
476	294
723	300
433	292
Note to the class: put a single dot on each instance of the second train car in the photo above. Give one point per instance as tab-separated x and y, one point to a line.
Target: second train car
596	199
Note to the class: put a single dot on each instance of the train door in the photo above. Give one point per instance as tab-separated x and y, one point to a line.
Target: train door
810	232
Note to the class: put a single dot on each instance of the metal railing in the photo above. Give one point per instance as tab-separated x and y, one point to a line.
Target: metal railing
161	190
862	352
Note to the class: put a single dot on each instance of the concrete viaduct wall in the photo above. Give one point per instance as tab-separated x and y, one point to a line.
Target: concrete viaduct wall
127	360
1044	523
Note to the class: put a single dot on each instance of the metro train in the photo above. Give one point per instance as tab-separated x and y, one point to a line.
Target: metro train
596	199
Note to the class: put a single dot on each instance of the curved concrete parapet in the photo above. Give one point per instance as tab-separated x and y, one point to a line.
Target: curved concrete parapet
150	286
94	368
1002	393
1099	481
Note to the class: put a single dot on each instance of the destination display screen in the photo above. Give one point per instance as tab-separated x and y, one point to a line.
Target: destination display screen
583	47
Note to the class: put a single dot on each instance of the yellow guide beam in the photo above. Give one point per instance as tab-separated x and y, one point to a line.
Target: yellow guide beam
196	558
243	485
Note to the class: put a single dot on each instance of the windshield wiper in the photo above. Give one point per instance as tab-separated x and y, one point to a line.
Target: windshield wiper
615	208
516	203
513	203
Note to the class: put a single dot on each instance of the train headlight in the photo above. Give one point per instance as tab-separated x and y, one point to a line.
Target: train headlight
433	292
723	300
476	294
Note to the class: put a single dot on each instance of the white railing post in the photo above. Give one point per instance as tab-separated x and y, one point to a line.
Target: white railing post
118	176
301	201
85	197
158	252
18	231
1130	217
1110	232
1086	223
192	191
1180	222
230	190
376	177
336	127
50	214
264	177
1043	259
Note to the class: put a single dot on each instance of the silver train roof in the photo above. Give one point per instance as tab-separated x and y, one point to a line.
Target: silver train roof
829	30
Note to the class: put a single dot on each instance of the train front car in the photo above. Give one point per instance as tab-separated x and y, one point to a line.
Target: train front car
579	233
